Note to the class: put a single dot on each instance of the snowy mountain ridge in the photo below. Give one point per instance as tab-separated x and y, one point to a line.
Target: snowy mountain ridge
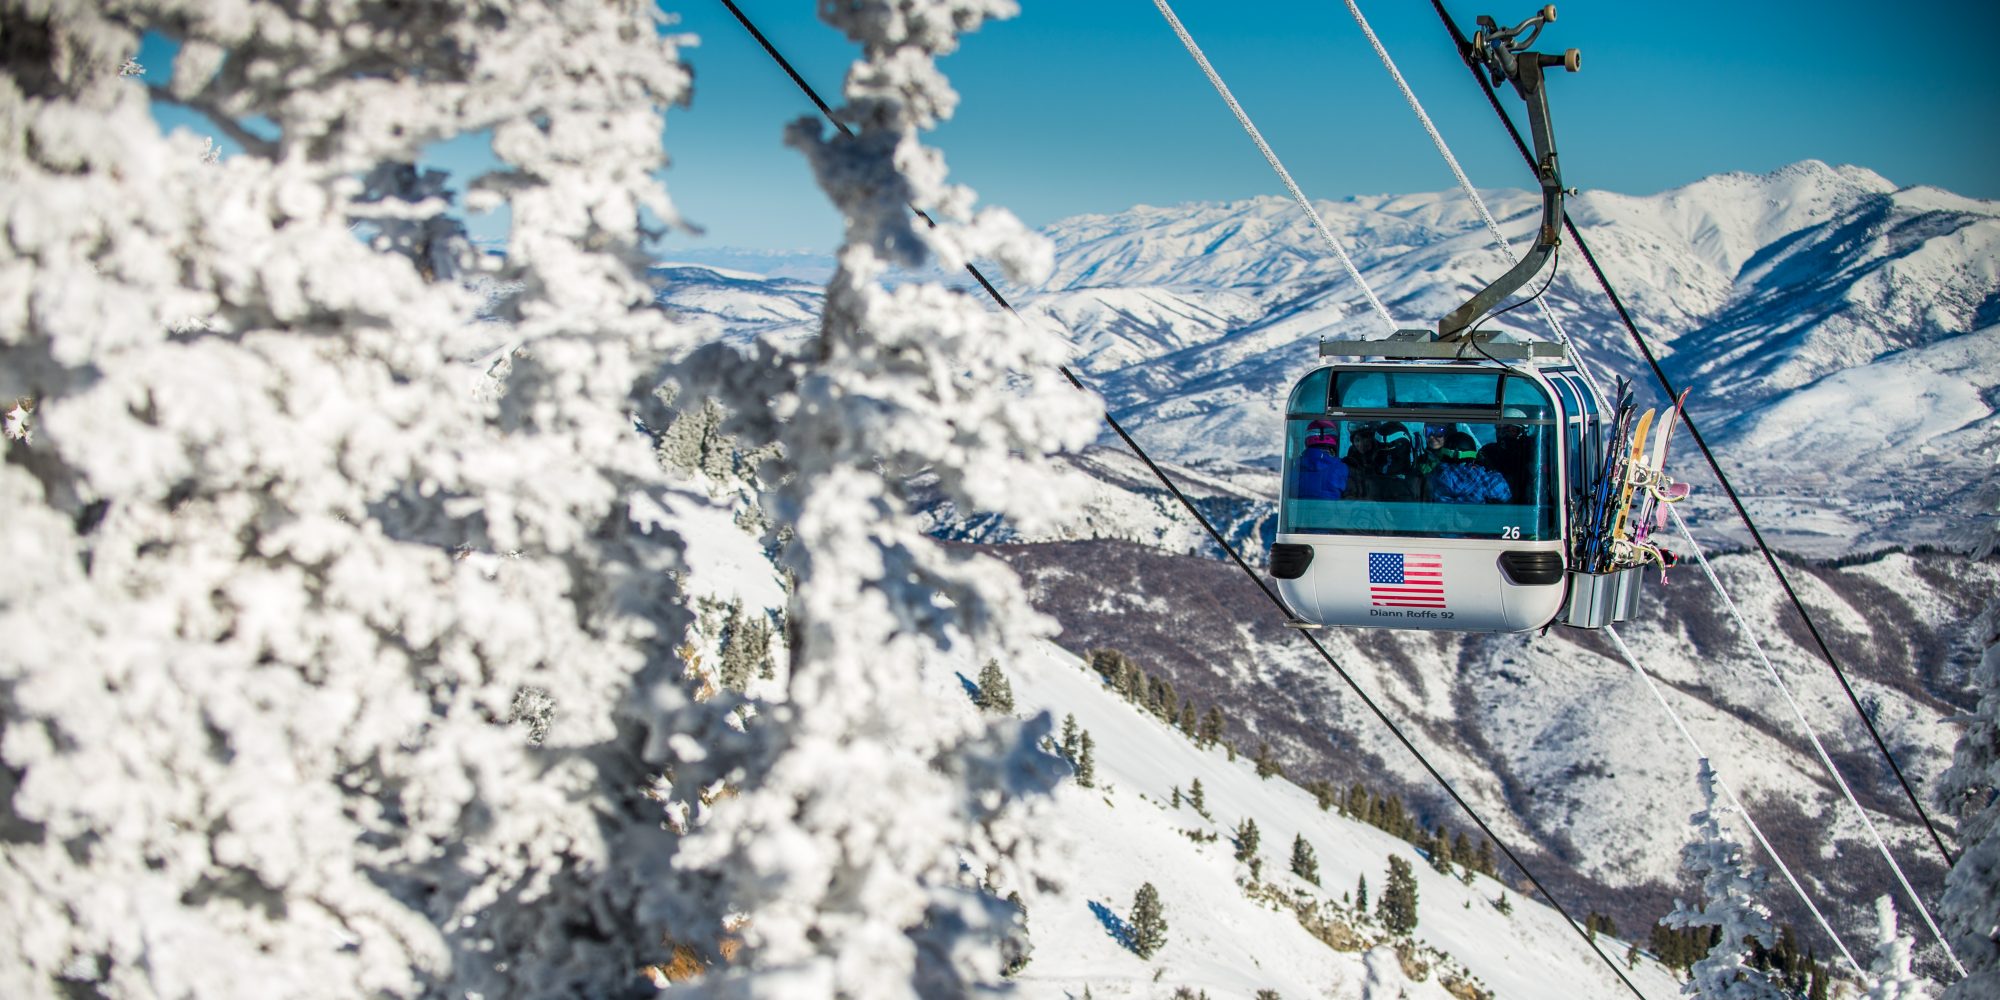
1839	331
1828	283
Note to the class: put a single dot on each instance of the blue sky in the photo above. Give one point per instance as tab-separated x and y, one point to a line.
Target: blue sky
1079	106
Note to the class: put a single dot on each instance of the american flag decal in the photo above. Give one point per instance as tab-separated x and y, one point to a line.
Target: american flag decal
1406	580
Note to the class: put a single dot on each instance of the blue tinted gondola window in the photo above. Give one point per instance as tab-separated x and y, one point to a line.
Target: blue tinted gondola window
1416	452
1309	396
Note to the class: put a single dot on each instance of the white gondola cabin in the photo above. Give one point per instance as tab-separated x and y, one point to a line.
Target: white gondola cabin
1376	527
1443	484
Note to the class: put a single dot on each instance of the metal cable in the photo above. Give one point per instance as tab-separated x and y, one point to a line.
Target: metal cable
1708	454
1818	747
1207	526
1284	175
1734	802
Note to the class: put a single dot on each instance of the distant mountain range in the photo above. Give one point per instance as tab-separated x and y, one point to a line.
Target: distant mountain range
1838	331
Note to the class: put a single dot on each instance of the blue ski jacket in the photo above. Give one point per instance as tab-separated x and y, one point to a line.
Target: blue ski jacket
1469	482
1321	475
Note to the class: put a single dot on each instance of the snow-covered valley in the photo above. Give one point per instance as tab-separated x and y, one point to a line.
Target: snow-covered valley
1839	333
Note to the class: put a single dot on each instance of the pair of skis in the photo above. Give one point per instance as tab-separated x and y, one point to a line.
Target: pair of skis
1661	490
1647	485
1597	518
1609	536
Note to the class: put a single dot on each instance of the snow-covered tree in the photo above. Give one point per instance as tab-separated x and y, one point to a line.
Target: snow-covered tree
1970	789
20	425
284	570
845	843
1889	975
281	565
1730	903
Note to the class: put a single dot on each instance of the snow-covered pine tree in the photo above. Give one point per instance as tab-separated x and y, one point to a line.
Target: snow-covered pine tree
1970	790
1889	976
882	795
1267	764
1440	851
746	646
1730	891
1212	726
1086	762
1197	797
280	564
1070	744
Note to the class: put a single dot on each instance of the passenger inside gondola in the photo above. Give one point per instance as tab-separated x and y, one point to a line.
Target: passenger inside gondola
1512	452
1396	433
1383	463
1462	478
1321	474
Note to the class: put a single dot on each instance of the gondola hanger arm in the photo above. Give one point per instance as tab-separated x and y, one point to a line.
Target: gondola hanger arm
1505	54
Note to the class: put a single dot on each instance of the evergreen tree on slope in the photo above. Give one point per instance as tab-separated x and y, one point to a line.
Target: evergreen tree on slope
881	797
1149	921
1729	903
280	564
1398	906
1970	909
1305	864
995	693
1889	976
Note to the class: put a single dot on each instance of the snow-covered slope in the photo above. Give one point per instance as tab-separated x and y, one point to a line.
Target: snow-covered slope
1553	738
1220	939
1231	933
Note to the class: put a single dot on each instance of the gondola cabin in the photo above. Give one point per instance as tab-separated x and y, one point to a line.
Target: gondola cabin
1449	480
1436	495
